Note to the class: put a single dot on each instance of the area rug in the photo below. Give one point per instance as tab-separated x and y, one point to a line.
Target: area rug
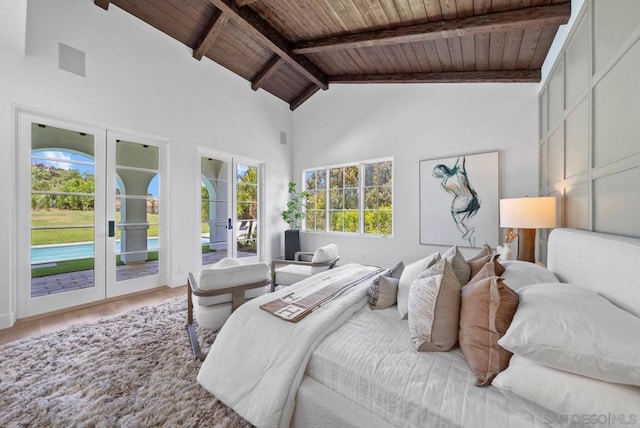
131	370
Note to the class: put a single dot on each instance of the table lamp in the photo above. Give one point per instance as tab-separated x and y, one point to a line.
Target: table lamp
528	214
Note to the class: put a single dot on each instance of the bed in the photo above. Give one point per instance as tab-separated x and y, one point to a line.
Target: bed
354	367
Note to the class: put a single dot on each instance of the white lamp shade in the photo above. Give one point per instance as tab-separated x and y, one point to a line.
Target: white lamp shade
528	213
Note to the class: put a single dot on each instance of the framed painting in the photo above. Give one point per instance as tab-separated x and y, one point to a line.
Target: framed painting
459	200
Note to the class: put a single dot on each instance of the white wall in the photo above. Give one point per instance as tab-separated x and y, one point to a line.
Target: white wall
139	79
13	23
411	123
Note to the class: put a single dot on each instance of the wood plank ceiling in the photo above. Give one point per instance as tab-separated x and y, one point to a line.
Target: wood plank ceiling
293	48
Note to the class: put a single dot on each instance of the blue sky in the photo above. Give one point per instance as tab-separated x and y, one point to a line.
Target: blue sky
67	159
242	170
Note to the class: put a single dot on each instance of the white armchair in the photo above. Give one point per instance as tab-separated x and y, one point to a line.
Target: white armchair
212	294
287	272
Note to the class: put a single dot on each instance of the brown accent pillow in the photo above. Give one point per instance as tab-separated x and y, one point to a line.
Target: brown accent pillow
486	310
492	268
434	308
479	260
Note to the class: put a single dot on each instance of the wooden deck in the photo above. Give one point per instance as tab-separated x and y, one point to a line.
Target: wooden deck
53	284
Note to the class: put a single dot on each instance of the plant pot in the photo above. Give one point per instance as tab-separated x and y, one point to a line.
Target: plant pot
291	243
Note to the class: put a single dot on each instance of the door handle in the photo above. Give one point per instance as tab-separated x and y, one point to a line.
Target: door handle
112	229
229	225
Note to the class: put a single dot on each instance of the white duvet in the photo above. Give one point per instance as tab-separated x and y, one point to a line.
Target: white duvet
257	361
371	361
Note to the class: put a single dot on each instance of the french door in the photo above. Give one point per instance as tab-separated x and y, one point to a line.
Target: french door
230	208
134	211
87	214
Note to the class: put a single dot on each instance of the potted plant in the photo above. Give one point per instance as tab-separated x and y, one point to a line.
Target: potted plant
293	215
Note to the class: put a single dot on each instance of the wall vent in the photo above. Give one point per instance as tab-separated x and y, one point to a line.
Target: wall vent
283	138
71	60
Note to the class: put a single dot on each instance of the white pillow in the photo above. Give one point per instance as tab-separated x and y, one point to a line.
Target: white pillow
576	330
581	400
230	272
459	264
323	255
410	273
518	274
227	262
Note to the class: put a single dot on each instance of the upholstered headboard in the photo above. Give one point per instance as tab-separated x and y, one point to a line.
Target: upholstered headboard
607	264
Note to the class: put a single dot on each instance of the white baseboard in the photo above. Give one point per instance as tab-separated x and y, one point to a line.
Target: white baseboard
7	320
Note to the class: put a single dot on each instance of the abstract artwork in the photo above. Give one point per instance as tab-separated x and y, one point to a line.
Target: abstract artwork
459	200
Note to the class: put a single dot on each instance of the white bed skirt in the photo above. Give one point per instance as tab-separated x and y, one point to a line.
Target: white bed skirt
319	406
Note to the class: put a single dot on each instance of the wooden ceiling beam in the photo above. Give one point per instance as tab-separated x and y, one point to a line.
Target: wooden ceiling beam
508	76
304	96
253	24
102	3
215	29
532	17
267	71
245	2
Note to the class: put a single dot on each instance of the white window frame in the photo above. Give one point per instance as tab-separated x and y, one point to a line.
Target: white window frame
361	189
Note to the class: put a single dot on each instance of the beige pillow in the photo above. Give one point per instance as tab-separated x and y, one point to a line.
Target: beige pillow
486	310
479	260
383	294
459	264
491	268
434	308
410	273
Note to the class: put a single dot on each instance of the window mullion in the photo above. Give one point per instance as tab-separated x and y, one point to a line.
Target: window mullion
327	205
361	197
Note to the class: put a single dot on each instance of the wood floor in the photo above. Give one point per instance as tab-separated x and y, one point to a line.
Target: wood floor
40	324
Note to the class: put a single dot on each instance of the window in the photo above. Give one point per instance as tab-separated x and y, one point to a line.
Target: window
377	197
344	196
359	195
247	210
316	186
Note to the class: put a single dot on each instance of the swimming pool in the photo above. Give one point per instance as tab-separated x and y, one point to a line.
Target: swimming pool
81	250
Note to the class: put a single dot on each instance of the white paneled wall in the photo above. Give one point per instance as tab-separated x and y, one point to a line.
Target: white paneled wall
590	125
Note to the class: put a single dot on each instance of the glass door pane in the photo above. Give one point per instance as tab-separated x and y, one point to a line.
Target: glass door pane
62	211
214	207
60	214
246	229
137	210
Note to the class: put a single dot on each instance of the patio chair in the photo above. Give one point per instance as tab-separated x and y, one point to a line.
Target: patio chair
292	271
214	293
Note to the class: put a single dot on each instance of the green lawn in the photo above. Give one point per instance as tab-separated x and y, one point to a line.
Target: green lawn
58	217
78	265
63	267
